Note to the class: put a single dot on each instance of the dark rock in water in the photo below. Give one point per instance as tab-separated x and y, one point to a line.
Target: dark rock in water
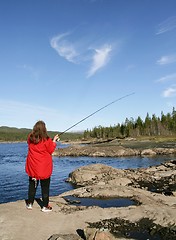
72	201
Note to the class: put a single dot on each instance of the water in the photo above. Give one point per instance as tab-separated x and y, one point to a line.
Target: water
103	202
14	180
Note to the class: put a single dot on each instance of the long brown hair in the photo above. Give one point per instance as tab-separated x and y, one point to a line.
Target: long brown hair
38	133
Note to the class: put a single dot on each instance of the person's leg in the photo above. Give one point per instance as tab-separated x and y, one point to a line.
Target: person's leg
32	190
45	186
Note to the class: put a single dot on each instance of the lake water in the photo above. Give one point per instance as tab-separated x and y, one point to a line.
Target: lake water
14	181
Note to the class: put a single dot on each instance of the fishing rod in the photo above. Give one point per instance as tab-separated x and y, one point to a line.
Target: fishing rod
96	112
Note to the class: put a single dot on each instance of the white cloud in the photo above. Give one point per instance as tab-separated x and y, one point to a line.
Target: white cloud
171	77
167	25
170	92
100	59
64	48
166	60
79	52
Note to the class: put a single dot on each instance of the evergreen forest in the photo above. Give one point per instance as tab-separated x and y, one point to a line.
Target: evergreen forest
11	134
163	126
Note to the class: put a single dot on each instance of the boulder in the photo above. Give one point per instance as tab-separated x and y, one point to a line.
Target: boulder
93	174
156	178
98	234
148	152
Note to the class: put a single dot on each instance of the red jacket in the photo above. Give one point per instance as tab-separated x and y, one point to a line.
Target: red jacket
39	162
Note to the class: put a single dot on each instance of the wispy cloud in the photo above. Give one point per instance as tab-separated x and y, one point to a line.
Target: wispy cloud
170	92
170	77
34	73
166	60
167	25
130	67
100	59
80	52
64	48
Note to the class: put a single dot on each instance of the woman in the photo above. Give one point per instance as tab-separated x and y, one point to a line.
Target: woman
39	163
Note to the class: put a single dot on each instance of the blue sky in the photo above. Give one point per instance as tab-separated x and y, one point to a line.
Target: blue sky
61	60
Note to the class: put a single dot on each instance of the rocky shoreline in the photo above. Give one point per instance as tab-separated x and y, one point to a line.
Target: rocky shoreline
155	212
117	149
110	151
153	189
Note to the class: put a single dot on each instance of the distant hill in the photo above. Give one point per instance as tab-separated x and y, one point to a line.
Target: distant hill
20	134
13	129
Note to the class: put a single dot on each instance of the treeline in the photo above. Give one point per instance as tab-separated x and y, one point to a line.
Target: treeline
20	134
13	134
165	125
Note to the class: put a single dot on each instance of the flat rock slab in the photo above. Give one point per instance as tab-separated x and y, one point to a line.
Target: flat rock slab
18	223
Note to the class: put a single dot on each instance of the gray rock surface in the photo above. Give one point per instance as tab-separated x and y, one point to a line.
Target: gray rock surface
110	151
161	177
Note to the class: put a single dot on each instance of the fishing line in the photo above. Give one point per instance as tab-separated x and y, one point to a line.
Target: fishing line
96	112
